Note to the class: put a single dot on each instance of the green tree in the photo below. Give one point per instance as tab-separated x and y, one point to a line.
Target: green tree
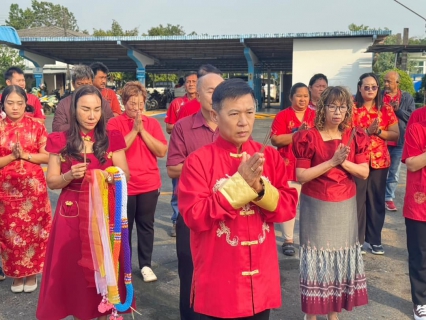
115	31
405	81
9	57
41	14
169	30
354	27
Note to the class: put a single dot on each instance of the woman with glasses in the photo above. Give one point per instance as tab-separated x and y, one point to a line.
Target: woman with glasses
287	122
328	157
381	124
145	142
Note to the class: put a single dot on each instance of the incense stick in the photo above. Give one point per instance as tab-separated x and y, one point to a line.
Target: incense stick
84	154
266	140
351	137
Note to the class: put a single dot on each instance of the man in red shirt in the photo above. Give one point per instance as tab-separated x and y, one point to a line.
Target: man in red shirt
191	94
230	207
170	120
15	76
188	135
101	75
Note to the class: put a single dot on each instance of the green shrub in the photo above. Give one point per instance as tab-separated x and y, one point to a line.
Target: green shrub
405	83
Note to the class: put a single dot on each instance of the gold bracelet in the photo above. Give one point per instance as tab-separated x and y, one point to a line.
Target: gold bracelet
63	178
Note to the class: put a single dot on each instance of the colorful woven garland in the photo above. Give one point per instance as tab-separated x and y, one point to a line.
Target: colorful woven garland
108	225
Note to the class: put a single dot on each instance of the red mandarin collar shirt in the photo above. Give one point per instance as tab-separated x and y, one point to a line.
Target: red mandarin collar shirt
143	165
236	271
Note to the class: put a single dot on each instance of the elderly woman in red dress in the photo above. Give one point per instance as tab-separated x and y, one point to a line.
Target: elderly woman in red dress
25	213
287	122
381	124
65	290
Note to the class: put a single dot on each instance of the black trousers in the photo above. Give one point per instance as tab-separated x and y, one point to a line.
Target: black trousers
185	270
370	199
416	245
264	315
141	209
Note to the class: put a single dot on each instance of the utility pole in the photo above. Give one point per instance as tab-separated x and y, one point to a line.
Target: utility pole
65	23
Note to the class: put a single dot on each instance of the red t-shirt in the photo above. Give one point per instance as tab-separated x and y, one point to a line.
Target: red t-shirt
415	194
143	167
189	108
110	96
33	101
418	115
172	112
362	118
286	122
311	150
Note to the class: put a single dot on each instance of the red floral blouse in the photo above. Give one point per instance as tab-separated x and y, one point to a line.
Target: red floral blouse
362	118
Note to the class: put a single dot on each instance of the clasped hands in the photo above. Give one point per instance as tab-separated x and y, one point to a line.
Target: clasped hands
251	169
374	127
17	151
137	123
340	155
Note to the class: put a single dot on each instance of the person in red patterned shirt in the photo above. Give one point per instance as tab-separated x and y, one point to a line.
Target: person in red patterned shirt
191	94
101	75
381	124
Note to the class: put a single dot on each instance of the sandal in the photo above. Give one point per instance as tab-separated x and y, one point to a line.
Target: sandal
288	249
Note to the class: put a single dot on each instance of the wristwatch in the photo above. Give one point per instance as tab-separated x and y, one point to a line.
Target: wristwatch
29	156
379	132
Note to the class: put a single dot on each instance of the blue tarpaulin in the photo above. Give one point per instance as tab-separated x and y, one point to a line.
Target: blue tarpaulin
9	35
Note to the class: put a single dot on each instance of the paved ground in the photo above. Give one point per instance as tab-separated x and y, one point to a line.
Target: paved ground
387	276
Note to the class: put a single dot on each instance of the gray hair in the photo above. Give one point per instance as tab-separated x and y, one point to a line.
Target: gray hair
81	71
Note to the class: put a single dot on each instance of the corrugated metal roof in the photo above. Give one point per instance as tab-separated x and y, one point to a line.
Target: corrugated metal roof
9	35
336	34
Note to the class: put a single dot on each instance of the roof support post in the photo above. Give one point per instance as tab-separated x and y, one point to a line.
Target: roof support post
39	62
254	79
141	61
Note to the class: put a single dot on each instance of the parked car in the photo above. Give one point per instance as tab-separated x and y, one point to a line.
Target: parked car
161	86
274	89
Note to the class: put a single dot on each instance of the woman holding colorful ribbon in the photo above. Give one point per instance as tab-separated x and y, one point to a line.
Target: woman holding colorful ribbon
25	213
77	264
145	143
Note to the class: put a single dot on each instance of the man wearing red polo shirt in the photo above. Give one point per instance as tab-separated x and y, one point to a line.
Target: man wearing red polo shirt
101	75
15	76
191	94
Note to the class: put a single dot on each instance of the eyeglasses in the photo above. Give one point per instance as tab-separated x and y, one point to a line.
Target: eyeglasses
333	109
370	88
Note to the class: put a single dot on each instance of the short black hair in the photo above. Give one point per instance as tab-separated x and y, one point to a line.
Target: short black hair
208	68
296	86
316	77
191	73
96	66
230	89
8	75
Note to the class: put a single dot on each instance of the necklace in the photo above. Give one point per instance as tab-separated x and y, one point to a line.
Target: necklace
331	137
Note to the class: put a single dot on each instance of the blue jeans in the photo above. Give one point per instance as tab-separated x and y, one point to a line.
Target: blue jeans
174	201
393	174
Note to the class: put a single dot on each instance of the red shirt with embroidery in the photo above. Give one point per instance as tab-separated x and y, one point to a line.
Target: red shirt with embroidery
221	286
362	118
395	100
189	108
173	110
415	194
286	122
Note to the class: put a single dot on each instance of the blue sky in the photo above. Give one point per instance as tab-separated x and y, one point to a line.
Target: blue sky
219	17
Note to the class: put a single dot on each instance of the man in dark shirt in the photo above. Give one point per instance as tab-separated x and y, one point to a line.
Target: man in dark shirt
81	75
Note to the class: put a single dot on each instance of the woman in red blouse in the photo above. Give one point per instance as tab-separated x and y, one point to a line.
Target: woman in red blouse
381	124
317	84
414	156
287	122
329	156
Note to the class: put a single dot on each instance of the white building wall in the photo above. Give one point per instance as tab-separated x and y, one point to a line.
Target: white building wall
342	60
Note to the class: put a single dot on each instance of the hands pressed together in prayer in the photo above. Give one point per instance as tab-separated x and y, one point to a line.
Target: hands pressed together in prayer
340	155
137	123
374	127
251	169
